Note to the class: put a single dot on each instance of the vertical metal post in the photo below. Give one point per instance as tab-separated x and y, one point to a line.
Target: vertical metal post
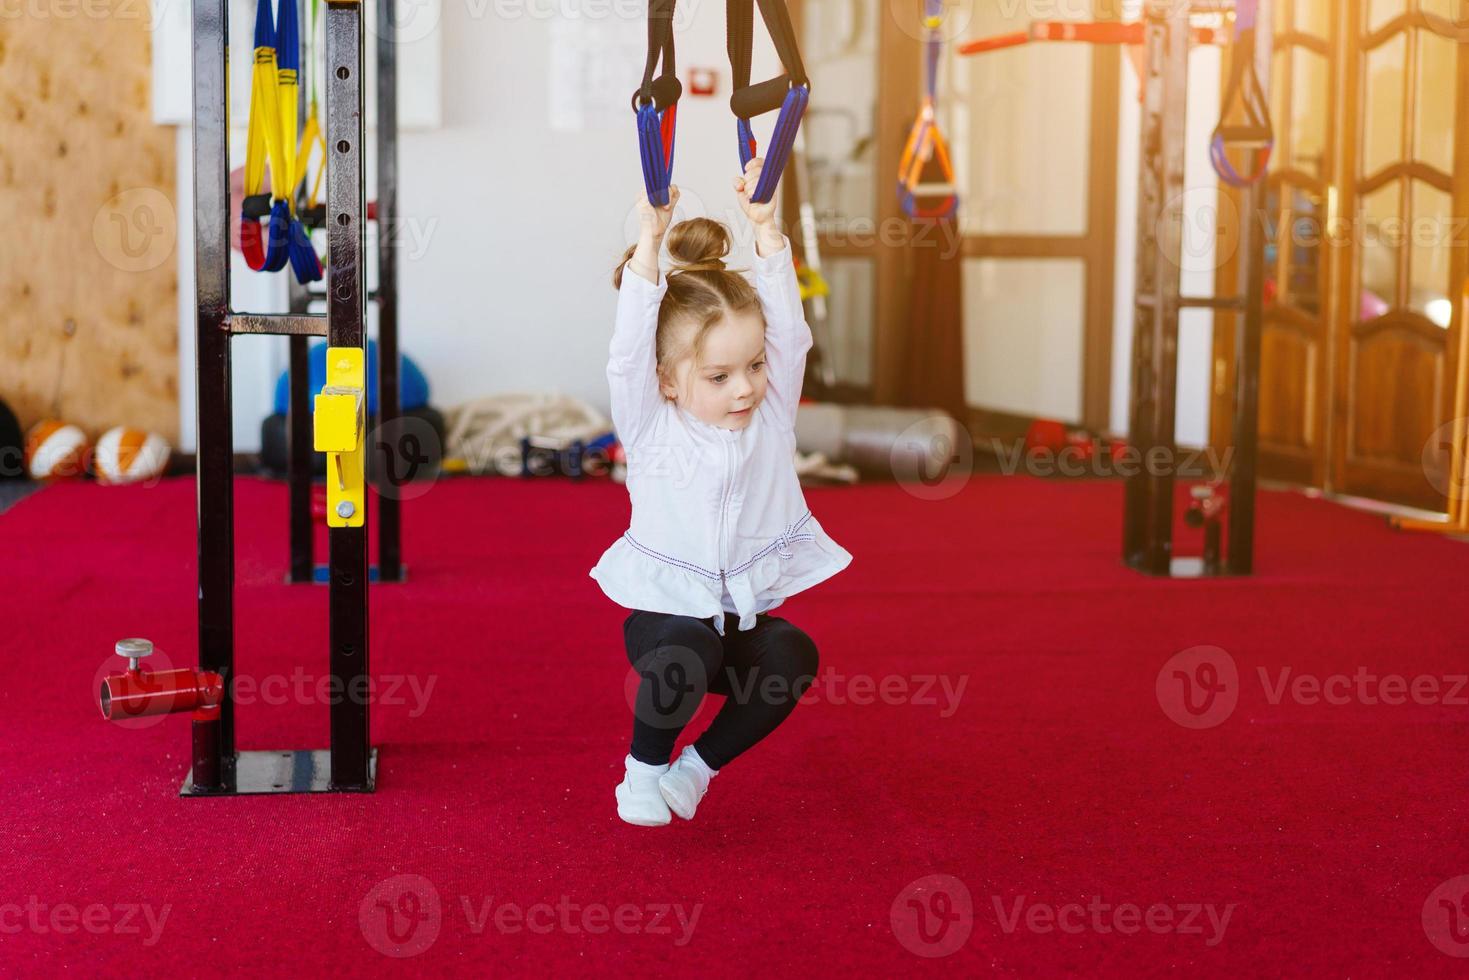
300	459
389	397
298	413
345	328
1148	508
215	451
1251	279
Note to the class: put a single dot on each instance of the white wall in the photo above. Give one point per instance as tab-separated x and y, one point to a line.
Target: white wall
1195	331
511	229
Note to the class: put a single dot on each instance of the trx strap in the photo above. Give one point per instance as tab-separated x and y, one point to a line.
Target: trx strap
655	104
1244	84
789	92
299	250
263	141
272	138
926	143
304	258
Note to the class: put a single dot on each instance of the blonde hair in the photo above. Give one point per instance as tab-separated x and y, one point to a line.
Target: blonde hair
701	291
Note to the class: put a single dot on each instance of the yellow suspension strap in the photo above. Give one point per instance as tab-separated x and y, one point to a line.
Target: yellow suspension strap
272	140
926	143
263	147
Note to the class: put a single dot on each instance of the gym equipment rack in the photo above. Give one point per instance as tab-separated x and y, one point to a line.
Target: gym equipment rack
350	763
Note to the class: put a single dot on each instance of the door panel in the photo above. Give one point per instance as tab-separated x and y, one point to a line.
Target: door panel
1024	322
1401	259
1295	333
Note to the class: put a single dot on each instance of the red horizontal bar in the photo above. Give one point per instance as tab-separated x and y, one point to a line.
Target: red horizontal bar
995	43
1086	32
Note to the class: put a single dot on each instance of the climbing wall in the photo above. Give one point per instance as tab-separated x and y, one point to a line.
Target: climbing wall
88	275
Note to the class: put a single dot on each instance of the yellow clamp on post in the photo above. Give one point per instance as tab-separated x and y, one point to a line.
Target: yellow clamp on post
338	432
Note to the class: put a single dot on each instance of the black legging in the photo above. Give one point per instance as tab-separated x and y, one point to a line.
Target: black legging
761	672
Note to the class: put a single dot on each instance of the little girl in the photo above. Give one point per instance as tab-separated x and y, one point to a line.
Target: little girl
705	373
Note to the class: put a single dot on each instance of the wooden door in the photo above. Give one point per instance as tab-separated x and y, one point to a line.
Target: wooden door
1403	252
1295	337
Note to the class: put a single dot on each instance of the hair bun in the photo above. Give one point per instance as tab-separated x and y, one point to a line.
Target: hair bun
698	245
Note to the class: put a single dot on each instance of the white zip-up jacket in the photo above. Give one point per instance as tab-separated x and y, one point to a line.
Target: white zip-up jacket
719	523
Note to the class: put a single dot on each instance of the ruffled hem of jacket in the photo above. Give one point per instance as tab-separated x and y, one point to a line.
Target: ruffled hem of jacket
638	577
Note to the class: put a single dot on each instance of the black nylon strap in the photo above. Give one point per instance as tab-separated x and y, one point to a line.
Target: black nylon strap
739	25
1244	84
740	42
665	89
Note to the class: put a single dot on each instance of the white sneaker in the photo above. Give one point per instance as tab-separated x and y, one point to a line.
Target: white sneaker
686	782
638	798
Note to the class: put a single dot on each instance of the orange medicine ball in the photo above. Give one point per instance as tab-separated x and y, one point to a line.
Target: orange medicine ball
127	455
55	450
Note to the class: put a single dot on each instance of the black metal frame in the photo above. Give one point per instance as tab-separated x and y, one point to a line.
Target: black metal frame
1147	529
389	567
350	764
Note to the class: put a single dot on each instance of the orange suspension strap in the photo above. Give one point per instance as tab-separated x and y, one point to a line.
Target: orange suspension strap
926	143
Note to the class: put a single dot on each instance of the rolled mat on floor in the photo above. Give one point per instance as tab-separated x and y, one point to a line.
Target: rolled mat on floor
879	441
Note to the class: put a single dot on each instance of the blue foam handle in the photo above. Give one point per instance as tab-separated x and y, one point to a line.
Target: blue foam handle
657	170
787	124
278	237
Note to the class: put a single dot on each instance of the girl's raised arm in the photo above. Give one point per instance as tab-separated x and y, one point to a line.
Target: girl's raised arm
632	360
787	335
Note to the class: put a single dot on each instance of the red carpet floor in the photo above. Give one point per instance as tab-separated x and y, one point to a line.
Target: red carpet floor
1080	829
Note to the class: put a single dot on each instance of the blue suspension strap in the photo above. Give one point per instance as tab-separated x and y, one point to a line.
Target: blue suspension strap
1256	132
790	92
298	248
655	104
926	143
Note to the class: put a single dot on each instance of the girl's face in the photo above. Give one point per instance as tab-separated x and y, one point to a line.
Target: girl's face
728	383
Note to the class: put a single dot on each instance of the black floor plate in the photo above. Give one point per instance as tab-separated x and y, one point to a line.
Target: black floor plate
298	771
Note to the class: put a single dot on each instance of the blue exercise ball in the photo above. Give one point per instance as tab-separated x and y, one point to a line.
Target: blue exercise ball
412	384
